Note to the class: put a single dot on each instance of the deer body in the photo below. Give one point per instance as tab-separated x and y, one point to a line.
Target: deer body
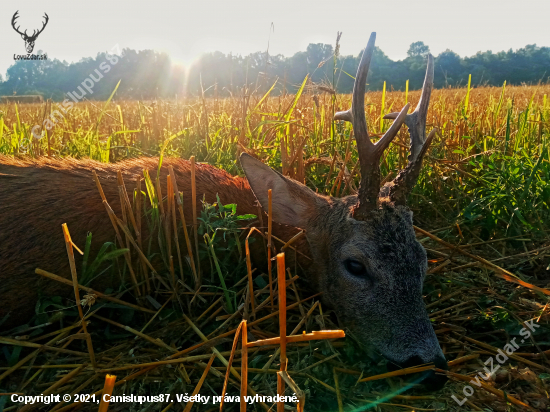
365	257
38	195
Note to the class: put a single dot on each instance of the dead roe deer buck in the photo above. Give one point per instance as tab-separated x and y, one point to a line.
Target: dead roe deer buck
365	258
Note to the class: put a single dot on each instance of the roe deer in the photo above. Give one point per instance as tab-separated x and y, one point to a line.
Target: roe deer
365	256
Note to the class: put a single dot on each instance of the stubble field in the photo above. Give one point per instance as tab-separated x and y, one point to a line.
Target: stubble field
481	205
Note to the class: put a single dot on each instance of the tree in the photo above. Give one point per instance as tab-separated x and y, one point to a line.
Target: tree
148	74
449	69
418	49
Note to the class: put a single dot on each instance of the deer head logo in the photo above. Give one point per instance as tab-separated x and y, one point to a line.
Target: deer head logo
29	40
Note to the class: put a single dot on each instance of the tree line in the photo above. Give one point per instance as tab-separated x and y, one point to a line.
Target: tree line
149	74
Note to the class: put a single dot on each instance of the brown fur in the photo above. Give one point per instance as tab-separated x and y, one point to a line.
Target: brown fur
38	195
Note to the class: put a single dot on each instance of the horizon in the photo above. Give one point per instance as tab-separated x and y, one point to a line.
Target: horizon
245	28
197	58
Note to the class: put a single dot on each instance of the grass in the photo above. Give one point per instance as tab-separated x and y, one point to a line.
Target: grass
491	149
481	207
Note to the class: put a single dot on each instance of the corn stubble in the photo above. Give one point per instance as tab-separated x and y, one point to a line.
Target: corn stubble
481	207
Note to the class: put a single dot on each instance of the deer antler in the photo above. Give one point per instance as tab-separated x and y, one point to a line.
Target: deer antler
35	35
369	153
13	21
398	189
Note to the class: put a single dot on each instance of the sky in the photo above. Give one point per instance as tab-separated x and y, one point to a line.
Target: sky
185	29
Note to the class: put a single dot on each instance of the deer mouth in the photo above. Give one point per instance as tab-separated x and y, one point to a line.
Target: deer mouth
431	380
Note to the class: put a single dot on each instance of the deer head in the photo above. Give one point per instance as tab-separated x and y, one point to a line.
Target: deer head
29	40
367	261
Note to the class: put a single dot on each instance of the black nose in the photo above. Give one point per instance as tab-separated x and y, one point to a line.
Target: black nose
433	381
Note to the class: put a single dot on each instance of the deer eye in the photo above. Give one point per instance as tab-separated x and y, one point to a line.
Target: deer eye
355	267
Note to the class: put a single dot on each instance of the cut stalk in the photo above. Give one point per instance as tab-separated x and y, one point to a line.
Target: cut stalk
138	229
41	272
69	245
175	226
112	217
230	362
244	366
199	385
156	342
186	234
281	277
305	337
337	388
269	230
107	390
194	209
249	271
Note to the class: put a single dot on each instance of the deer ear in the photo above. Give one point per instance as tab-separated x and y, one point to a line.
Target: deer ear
293	203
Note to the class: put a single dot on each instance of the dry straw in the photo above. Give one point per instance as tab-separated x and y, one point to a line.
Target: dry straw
107	390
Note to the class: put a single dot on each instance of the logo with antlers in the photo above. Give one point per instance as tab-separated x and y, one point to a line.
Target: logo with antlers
29	40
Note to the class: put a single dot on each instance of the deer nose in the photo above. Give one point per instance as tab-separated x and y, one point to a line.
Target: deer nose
433	381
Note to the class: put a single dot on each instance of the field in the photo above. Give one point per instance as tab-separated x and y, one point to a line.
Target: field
481	205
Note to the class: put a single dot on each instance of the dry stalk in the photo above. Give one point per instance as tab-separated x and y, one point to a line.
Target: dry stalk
156	342
249	272
230	362
244	365
337	388
305	337
269	235
90	290
138	203
400	372
69	245
194	210
199	385
186	234
107	390
281	277
119	238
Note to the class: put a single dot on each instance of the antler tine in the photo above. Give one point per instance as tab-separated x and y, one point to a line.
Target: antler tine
13	21
358	97
35	33
418	117
385	140
46	22
416	121
398	189
369	153
356	115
